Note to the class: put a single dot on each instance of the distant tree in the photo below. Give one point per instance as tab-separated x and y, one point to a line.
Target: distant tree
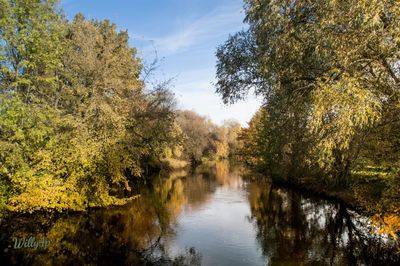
232	128
196	131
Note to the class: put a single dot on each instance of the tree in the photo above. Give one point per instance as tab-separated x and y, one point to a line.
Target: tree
196	130
232	129
31	49
328	72
77	123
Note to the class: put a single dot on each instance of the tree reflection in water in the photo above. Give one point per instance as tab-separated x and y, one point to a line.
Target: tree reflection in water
129	235
295	230
290	227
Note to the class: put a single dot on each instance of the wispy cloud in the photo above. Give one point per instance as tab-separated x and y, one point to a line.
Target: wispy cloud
185	43
213	25
189	52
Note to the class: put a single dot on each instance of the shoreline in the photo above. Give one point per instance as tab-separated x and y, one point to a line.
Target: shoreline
387	223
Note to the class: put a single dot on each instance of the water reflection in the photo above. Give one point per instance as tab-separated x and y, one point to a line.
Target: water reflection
130	235
293	229
209	217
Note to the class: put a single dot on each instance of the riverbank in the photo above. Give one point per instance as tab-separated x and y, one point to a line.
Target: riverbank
367	194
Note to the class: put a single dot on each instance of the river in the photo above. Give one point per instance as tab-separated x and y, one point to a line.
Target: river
212	216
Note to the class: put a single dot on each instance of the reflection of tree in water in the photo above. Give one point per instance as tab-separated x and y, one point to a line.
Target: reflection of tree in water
130	235
198	189
296	230
226	174
203	182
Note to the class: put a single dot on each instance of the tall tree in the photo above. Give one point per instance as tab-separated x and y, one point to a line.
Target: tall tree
31	49
328	72
76	123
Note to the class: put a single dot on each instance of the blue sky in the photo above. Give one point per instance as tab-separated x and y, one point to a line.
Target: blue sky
185	34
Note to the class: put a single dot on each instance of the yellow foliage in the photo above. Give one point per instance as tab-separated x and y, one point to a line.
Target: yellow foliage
387	225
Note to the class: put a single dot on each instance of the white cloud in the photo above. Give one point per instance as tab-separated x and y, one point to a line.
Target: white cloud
213	25
210	105
196	92
189	51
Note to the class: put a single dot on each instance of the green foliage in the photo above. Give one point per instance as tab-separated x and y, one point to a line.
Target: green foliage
35	156
32	34
253	145
329	76
76	123
328	72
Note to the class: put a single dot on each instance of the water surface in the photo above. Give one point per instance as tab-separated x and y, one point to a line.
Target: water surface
213	216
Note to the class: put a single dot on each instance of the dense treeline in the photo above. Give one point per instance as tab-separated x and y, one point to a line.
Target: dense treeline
77	123
329	74
75	118
203	140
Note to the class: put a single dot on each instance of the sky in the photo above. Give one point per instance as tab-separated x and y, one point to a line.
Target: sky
183	35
